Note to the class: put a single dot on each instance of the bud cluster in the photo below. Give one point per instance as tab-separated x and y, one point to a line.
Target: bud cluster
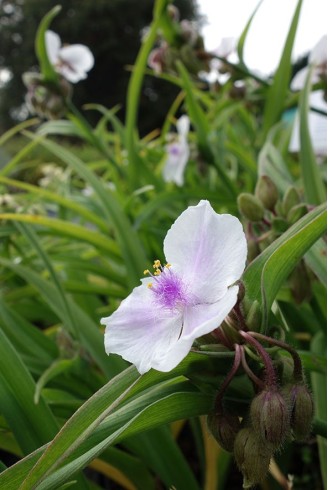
44	98
281	408
268	215
179	41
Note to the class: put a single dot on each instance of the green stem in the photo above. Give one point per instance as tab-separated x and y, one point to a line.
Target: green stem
134	91
320	428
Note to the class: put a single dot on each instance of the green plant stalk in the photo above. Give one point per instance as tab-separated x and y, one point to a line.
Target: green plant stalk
133	95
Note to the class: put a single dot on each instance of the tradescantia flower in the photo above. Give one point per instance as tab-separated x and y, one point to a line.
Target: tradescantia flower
72	62
177	154
155	326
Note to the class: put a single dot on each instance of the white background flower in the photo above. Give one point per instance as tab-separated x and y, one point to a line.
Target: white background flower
154	327
317	122
177	153
72	62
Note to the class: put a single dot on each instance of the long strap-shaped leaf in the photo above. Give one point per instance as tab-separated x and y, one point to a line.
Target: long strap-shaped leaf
82	424
277	92
265	275
314	188
129	242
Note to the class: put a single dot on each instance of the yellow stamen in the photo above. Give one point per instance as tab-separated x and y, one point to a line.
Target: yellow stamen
146	271
157	264
167	266
157	272
150	285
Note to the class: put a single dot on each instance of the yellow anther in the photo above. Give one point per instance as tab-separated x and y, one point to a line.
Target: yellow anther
167	266
150	285
146	271
157	272
157	264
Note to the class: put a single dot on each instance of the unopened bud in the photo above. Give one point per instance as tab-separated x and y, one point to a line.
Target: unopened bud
299	283
224	428
291	198
250	206
252	457
254	317
267	192
279	225
301	403
296	212
270	417
173	12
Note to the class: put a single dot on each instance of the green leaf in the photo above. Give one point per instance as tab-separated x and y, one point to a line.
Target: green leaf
89	333
316	259
197	115
128	240
66	228
265	275
276	96
319	386
46	67
32	424
82	424
242	38
314	188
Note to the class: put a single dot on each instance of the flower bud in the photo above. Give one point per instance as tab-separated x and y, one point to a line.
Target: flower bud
267	192
44	98
296	212
299	283
291	198
254	317
270	417
252	457
224	428
279	225
250	206
302	410
173	12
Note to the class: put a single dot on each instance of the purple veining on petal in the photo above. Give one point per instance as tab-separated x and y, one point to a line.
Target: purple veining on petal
174	149
170	290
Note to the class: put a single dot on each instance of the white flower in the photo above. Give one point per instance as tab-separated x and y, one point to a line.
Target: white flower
177	153
317	122
318	59
155	326
72	62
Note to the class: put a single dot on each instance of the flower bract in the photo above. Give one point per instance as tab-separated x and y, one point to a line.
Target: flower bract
156	325
72	61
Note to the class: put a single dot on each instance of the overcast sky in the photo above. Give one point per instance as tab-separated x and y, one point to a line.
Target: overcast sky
269	29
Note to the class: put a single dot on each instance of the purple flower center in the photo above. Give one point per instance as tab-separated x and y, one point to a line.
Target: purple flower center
169	290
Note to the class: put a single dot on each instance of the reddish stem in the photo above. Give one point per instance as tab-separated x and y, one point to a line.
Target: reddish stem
248	370
227	381
298	368
270	378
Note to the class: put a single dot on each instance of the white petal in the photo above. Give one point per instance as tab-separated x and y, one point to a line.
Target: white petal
176	162
227	46
53	44
140	331
77	60
318	55
198	320
208	250
201	319
299	79
183	125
